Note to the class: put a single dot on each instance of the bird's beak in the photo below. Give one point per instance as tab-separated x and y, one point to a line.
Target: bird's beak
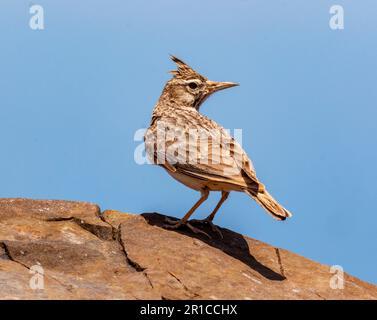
214	86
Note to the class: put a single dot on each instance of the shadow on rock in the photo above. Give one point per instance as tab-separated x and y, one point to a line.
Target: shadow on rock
233	244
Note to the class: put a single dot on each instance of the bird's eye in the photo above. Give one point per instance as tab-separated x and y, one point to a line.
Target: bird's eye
193	85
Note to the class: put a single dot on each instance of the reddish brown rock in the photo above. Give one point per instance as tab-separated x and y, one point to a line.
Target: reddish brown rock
86	254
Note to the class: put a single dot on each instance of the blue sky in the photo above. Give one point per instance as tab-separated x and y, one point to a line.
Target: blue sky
73	95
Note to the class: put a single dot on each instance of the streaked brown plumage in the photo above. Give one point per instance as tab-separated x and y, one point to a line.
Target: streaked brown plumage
222	166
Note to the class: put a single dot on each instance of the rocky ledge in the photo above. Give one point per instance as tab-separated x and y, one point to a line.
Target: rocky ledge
72	250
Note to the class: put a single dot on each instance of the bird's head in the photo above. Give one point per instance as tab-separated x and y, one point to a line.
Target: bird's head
189	88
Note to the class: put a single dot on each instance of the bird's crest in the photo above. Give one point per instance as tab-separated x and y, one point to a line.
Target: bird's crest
184	71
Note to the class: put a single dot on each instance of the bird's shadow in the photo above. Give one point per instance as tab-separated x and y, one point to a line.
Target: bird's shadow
233	244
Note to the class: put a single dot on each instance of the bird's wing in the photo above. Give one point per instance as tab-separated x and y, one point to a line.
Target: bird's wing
206	151
226	162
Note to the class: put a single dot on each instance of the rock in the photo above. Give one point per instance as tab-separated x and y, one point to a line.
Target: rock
82	253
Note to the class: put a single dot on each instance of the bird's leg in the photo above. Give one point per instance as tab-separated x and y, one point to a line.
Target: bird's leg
209	219
174	224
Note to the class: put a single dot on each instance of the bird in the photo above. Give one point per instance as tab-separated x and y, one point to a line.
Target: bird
199	152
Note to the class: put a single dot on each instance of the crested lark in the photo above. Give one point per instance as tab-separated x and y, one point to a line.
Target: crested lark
197	151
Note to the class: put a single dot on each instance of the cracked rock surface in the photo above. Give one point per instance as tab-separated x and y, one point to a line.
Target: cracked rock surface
89	254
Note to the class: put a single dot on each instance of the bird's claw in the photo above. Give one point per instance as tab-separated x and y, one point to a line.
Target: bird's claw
211	224
176	224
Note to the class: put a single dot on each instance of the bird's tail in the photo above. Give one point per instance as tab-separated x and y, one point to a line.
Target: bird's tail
269	204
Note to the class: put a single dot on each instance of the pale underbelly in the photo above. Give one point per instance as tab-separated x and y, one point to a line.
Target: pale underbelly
200	184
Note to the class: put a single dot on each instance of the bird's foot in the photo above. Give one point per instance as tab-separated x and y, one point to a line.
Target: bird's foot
209	223
176	224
